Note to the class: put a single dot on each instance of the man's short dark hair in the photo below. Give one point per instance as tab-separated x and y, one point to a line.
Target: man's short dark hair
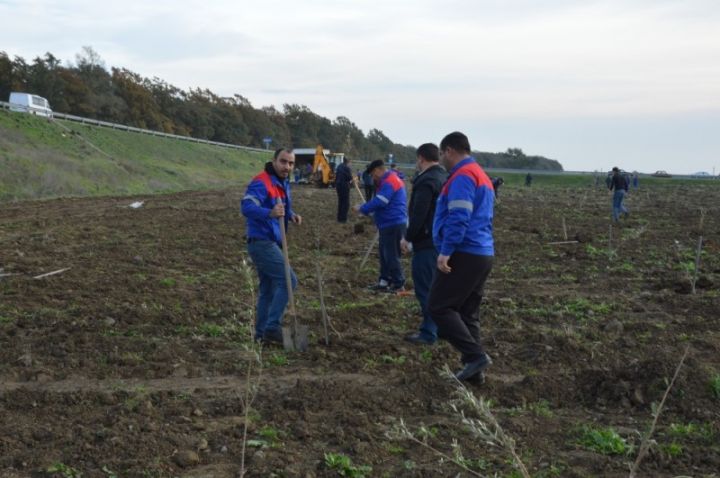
456	141
428	151
280	150
378	163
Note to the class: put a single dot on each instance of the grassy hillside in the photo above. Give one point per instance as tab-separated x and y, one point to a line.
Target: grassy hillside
41	159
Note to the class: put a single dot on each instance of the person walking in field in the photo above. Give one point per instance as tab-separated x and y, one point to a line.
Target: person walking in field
418	237
463	234
389	208
343	181
619	183
266	202
368	184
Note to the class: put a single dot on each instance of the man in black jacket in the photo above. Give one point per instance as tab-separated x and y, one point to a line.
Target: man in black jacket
418	238
343	181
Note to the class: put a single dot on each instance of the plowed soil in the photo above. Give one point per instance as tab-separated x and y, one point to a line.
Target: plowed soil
133	361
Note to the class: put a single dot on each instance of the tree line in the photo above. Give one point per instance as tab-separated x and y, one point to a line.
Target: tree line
87	88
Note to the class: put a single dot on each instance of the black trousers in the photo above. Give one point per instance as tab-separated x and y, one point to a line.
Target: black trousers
343	193
369	192
454	302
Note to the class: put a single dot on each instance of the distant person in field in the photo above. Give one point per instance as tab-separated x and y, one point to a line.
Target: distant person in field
368	184
418	237
635	181
343	182
609	179
400	174
619	183
528	180
389	209
266	202
497	182
463	234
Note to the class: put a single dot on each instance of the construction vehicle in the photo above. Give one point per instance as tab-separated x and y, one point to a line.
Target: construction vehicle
323	163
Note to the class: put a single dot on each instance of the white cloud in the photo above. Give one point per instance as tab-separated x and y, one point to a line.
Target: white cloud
410	67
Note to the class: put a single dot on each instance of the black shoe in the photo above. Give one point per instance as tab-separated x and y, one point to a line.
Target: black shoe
473	368
272	337
477	379
379	287
418	339
395	289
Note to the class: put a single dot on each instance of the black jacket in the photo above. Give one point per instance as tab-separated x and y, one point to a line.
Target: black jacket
343	177
425	191
618	182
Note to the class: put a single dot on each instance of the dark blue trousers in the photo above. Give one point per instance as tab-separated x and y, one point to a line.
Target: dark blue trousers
390	268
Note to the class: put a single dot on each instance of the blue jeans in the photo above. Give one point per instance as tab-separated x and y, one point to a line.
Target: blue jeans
390	267
618	206
272	294
424	265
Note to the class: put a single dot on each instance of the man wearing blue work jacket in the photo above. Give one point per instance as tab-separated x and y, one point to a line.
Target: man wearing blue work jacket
266	202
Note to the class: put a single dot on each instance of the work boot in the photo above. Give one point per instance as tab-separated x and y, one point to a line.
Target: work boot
395	289
273	337
381	286
471	369
418	339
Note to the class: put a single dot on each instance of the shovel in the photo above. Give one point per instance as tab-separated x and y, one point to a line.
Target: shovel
372	243
295	338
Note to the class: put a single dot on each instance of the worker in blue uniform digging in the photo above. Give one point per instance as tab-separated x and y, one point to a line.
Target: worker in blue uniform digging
389	208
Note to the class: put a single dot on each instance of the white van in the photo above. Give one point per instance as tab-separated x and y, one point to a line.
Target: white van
28	103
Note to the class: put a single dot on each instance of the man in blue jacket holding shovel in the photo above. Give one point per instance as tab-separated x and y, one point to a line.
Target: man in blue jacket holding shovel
266	202
389	208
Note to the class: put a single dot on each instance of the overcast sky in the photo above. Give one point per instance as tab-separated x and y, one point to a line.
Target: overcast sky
593	84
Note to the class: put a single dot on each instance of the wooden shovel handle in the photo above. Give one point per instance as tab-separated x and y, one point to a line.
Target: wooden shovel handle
288	273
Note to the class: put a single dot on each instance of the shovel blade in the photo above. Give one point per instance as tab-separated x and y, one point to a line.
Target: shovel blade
296	340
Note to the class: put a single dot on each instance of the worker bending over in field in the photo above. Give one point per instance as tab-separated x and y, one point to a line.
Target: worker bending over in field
266	202
418	238
389	207
343	181
462	232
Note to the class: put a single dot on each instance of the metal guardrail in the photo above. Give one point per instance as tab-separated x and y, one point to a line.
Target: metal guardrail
122	127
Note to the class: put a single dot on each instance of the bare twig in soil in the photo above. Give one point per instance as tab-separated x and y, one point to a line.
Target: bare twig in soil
367	253
321	291
486	428
557	243
611	251
323	311
565	237
645	445
402	432
698	251
254	366
48	274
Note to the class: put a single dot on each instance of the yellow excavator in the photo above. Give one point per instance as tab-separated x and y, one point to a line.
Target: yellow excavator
323	163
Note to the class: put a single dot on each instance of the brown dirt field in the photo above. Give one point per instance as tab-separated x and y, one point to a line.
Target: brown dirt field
132	362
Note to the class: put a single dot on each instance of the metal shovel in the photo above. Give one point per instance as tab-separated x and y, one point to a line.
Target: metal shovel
295	338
